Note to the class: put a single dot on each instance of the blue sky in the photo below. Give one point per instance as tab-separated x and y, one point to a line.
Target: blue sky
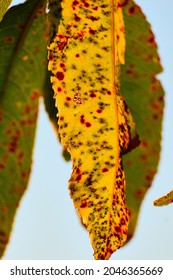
46	225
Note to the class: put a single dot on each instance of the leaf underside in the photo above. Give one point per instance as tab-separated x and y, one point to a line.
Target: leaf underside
22	74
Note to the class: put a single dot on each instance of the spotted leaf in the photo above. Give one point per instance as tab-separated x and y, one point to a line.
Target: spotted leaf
86	50
144	95
164	200
22	74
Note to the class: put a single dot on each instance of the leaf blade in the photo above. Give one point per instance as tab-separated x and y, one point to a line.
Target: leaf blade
81	101
164	200
19	104
144	95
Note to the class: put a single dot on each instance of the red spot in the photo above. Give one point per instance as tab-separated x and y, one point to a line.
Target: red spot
60	75
77	18
78	178
61	36
24	174
78	170
27	109
83	204
148	178
77	55
61	118
50	57
2	166
34	95
20	155
93	94
88	124
122	29
99	111
82	120
120	5
129	71
93	18
144	144
155	106
117	229
80	35
10	39
95	8
9	131
160	98
155	116
92	31
62	45
59	89
109	251
154	87
68	98
75	3
140	193
4	209
151	39
86	5
109	92
105	169
13	146
62	65
131	11
122	221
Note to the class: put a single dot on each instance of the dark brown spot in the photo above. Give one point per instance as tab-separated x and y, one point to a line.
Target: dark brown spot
77	18
105	169
88	124
83	204
60	75
59	89
93	95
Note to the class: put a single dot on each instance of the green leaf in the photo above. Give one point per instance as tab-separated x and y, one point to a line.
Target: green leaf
164	200
4	4
22	75
144	96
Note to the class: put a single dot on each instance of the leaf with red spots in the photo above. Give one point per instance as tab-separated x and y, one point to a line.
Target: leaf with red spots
92	123
22	75
144	96
4	4
164	200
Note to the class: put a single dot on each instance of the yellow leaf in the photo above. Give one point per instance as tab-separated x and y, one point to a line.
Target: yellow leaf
4	4
84	57
164	200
